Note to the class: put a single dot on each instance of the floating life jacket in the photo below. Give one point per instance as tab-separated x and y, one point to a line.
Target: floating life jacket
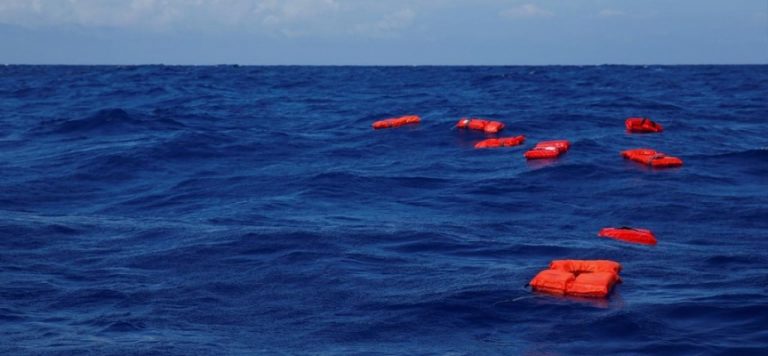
501	142
548	149
652	158
396	122
642	125
628	234
490	127
579	278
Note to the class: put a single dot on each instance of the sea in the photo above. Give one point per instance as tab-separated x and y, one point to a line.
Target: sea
228	210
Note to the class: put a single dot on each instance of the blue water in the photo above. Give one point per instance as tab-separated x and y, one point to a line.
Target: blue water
239	210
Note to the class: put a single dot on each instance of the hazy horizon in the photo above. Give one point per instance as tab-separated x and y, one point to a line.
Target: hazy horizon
375	65
398	32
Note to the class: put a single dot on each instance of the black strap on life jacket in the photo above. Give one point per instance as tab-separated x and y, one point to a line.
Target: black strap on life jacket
627	228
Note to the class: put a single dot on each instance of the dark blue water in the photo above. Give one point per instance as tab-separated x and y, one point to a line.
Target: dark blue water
210	210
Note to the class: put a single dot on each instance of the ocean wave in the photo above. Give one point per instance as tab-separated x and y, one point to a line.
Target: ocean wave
190	210
627	102
107	122
755	154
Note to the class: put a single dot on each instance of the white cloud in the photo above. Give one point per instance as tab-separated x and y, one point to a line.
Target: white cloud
526	10
397	20
276	12
90	13
389	25
610	13
163	13
289	18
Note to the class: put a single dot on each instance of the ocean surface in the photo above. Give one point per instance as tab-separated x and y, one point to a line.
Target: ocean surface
253	210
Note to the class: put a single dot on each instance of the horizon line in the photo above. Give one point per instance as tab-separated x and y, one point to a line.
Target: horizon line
372	65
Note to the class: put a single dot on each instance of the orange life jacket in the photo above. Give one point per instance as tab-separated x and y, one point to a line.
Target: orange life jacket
652	158
628	234
501	142
642	125
548	149
490	127
396	122
580	278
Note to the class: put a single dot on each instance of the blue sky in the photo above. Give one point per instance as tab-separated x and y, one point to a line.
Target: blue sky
479	32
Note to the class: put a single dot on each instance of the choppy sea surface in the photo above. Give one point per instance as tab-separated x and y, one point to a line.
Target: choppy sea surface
240	210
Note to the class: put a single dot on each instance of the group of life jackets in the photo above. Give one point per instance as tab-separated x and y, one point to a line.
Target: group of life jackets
549	149
578	278
588	278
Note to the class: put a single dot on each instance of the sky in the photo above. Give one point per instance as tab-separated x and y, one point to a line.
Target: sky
384	32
